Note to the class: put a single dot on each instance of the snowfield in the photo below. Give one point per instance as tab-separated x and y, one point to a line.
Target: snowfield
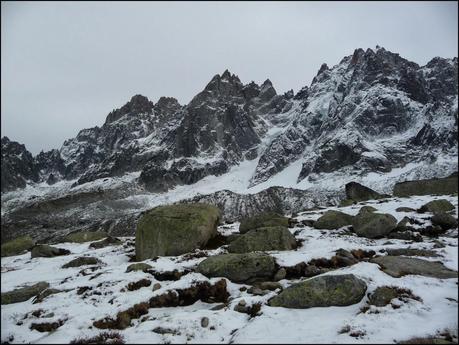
437	312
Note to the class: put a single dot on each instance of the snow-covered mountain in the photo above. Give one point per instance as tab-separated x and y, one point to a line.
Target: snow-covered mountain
374	117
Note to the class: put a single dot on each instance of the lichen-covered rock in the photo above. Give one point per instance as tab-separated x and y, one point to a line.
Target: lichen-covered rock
398	266
373	225
17	246
23	294
367	209
333	220
382	296
262	239
239	267
140	266
85	236
175	229
261	221
437	206
441	186
46	251
323	291
357	192
81	261
444	220
109	241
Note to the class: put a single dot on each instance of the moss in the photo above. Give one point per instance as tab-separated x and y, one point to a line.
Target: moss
261	239
85	236
175	229
17	246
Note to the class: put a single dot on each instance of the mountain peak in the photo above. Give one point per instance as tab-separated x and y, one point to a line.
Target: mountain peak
137	104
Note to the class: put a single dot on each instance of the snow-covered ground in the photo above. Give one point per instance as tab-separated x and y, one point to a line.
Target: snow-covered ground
437	312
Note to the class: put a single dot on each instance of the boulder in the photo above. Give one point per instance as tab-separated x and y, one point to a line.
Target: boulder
45	251
140	266
109	241
85	236
333	220
261	221
23	294
17	246
262	239
81	261
398	266
239	268
367	209
407	235
411	252
444	220
373	225
441	186
382	296
322	291
175	229
437	206
357	192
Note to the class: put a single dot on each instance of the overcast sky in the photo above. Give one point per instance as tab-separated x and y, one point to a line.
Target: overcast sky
65	66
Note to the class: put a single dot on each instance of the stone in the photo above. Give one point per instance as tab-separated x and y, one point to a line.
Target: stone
322	291
156	286
333	220
398	266
238	268
263	239
256	291
261	221
280	274
17	246
366	209
405	235
204	322
405	209
109	241
444	220
175	229
382	296
81	261
411	252
441	186
85	236
373	225
140	266
24	293
357	192
269	285
46	251
437	206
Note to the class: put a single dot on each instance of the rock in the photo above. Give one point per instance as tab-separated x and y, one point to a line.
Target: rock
333	220
238	268
322	291
45	251
23	294
398	266
437	206
268	285
204	322
17	246
357	192
441	186
256	291
432	231
444	220
402	225
373	225
405	235
175	229
109	241
405	209
140	266
411	252
263	239
156	286
280	274
261	221
45	293
85	236
382	296
46	326
81	261
367	209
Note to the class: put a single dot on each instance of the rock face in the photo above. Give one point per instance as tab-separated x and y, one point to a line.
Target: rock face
261	221
17	246
357	192
263	239
373	225
323	291
437	206
439	186
45	251
175	229
398	266
333	220
239	268
23	294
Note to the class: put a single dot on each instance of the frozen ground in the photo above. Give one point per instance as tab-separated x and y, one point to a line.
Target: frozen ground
437	312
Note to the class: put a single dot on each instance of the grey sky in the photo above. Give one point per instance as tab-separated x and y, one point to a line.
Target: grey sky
65	66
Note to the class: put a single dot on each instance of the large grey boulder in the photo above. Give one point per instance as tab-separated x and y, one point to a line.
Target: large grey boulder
261	221
444	220
263	239
398	266
440	186
23	294
239	267
357	192
46	251
175	229
333	220
322	291
373	225
437	206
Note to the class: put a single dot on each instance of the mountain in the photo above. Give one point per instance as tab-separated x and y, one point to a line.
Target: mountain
374	117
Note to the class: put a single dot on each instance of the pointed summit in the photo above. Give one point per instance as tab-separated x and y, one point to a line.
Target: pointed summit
138	104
